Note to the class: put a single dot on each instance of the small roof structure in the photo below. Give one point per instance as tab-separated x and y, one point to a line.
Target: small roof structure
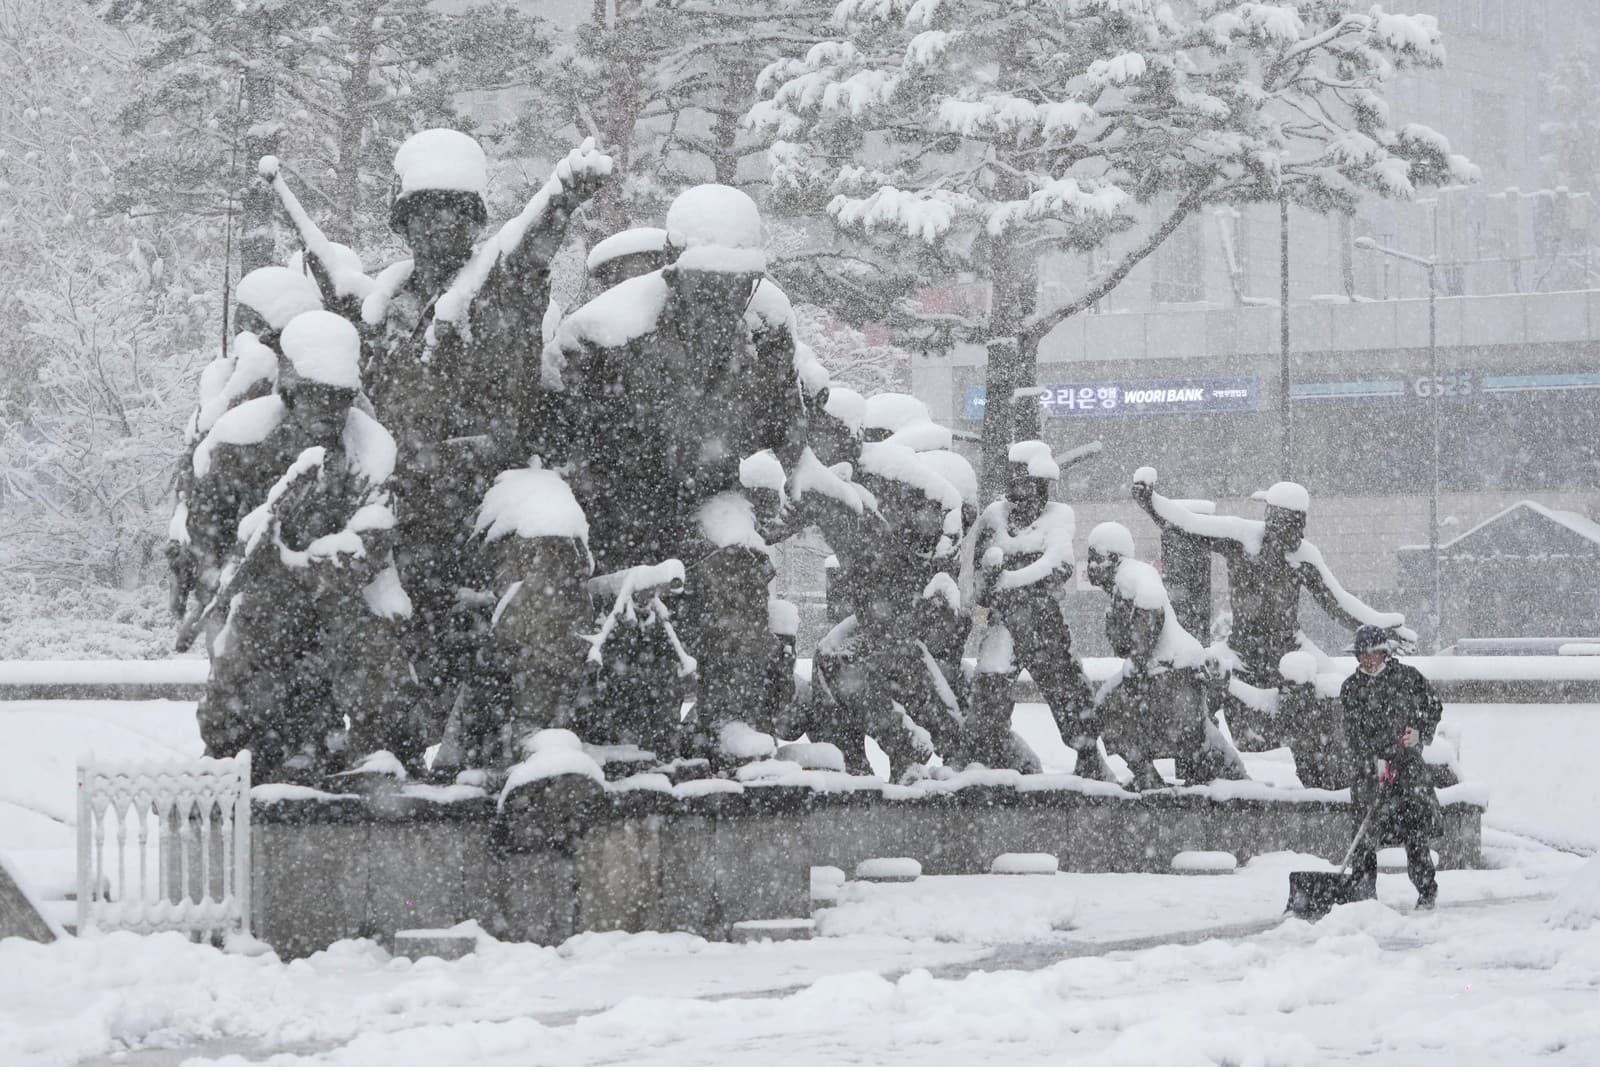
1525	529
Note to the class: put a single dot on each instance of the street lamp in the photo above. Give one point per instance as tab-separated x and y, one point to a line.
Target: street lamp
1367	244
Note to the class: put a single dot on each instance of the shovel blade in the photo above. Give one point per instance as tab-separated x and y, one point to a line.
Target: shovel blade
1312	894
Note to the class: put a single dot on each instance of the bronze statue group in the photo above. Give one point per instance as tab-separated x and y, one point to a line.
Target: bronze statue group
424	511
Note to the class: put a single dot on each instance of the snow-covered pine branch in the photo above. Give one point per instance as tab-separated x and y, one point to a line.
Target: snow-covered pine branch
988	129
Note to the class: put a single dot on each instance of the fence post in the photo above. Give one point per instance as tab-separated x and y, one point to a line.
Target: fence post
85	819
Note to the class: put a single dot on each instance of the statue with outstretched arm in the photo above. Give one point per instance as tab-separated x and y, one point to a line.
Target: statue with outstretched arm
1269	563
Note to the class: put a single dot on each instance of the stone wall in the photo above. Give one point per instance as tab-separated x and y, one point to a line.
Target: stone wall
570	856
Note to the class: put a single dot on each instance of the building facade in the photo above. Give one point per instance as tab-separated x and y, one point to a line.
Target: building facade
1181	367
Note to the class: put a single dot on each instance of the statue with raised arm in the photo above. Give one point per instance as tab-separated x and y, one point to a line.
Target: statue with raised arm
1269	563
452	363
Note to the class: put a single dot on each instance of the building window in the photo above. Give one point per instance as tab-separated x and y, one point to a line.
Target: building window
1178	270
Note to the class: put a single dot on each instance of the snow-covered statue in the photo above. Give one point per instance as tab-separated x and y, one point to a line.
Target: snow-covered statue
875	673
945	621
672	380
453	340
1156	706
268	298
1023	569
1269	563
293	488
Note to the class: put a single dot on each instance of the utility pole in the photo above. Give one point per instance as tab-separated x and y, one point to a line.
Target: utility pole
1285	373
1435	389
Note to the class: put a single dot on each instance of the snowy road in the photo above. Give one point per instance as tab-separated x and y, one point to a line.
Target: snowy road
1486	982
1114	969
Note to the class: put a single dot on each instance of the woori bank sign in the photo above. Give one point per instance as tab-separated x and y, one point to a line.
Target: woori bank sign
1147	396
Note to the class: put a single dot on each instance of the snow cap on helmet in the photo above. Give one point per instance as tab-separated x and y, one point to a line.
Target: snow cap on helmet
1111	539
718	228
278	294
323	348
1371	639
641	240
1290	496
440	163
1035	455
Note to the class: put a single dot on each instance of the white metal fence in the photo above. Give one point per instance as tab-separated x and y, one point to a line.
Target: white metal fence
164	846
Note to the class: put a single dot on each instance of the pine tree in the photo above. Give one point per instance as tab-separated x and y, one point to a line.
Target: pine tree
1572	134
329	86
984	133
102	318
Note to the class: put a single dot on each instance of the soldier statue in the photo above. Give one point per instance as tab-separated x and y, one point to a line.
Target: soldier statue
452	364
292	488
1269	563
673	379
1024	565
1156	706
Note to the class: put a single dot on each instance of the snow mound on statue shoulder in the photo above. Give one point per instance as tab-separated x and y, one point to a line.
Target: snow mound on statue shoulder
531	502
898	463
626	312
728	520
1036	456
923	436
848	406
1577	907
954	468
1291	496
247	424
894	411
278	294
444	160
1141	583
1298	667
1112	539
769	308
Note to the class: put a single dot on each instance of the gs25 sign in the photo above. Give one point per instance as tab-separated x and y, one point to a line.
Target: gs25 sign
1462	384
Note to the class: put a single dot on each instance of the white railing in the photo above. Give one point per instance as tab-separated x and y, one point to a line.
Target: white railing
189	821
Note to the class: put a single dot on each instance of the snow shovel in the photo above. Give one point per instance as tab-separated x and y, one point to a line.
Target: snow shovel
1312	894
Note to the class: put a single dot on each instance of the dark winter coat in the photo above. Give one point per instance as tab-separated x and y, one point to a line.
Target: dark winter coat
1377	709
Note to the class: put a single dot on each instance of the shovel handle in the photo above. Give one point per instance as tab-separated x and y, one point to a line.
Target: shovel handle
1361	832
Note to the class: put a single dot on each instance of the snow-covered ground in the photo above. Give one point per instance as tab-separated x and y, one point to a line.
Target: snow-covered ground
1115	969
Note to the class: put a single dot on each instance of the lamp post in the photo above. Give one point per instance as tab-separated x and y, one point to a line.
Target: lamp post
1435	387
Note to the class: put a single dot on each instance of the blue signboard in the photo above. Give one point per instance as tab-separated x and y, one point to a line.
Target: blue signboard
1143	396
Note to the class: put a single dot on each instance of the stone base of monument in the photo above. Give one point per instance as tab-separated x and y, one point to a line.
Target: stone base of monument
442	944
773	930
1204	863
575	855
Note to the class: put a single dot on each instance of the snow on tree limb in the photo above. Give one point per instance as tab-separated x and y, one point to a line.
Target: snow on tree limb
1096	106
